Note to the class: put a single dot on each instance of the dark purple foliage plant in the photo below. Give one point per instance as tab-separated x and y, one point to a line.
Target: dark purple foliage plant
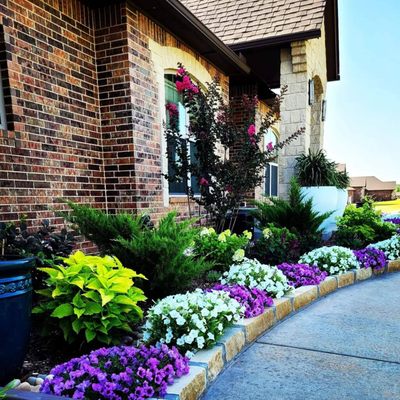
254	300
371	257
126	373
302	274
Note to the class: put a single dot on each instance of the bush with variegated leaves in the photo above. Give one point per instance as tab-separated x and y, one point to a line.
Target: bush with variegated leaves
91	298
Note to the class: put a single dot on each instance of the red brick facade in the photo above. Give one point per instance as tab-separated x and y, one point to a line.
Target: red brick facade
82	108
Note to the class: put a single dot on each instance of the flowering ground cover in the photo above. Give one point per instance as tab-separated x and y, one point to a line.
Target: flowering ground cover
370	257
118	373
253	274
302	274
191	321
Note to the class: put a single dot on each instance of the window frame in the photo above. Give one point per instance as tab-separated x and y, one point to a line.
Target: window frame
273	132
184	136
3	114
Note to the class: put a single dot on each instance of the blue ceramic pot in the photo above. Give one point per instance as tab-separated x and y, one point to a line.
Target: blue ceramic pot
15	315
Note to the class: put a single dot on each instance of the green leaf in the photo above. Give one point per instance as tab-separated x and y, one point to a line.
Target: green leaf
106	296
124	300
62	311
92	295
78	312
89	334
93	308
77	301
53	273
77	325
94	284
58	291
78	281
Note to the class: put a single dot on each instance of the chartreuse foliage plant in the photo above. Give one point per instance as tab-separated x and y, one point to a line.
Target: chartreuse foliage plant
221	249
91	298
359	227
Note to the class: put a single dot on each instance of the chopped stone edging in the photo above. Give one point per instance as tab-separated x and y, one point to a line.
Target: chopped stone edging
207	364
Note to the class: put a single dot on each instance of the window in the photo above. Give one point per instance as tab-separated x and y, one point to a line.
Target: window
3	120
172	96
271	170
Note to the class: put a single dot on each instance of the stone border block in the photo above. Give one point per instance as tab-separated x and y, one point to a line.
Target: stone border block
212	359
328	285
393	266
188	387
233	341
363	273
255	326
283	307
303	296
346	279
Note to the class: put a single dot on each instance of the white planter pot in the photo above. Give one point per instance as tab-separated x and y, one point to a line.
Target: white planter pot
343	197
325	199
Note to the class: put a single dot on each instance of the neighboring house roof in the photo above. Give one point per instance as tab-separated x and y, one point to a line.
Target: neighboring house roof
238	21
371	183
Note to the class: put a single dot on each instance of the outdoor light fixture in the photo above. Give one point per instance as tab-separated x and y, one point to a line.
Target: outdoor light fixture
311	92
323	110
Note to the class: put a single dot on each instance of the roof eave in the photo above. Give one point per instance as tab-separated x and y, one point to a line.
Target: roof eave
331	21
276	40
193	32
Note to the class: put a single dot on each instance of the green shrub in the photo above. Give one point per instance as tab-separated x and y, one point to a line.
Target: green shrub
91	297
277	245
295	214
104	229
315	169
359	227
220	249
162	255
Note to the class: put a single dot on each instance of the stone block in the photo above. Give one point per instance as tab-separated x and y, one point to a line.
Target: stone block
329	285
233	341
346	279
394	266
254	327
363	273
188	387
283	307
304	295
212	359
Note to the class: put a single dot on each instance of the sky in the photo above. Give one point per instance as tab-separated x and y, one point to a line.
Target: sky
362	127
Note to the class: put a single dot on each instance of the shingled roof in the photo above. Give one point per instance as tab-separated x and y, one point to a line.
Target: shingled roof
240	21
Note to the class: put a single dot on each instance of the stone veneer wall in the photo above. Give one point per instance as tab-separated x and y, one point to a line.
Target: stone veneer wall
303	61
83	108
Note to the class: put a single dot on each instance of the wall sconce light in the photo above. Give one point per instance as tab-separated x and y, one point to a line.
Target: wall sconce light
311	92
323	111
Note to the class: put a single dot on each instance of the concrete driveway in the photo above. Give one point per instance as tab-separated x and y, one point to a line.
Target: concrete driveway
345	346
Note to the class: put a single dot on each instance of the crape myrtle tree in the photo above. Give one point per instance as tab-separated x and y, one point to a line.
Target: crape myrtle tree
223	180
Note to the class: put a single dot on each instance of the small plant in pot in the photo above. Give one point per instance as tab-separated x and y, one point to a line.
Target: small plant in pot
19	252
321	181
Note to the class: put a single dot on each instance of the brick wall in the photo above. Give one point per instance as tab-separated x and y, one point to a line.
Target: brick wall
53	148
83	108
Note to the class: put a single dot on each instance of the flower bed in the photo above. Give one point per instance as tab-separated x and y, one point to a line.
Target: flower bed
302	274
334	259
253	274
193	320
118	372
253	300
370	257
391	247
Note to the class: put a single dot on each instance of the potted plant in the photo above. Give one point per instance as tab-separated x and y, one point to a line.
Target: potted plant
19	252
321	181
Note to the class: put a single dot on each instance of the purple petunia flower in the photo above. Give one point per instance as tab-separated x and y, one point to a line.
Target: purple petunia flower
254	300
371	257
302	274
118	373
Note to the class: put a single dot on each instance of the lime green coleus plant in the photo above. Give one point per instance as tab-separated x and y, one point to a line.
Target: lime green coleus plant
93	297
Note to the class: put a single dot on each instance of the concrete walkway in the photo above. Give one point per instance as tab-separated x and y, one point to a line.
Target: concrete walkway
345	346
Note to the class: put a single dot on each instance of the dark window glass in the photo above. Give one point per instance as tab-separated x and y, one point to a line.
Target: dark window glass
274	180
